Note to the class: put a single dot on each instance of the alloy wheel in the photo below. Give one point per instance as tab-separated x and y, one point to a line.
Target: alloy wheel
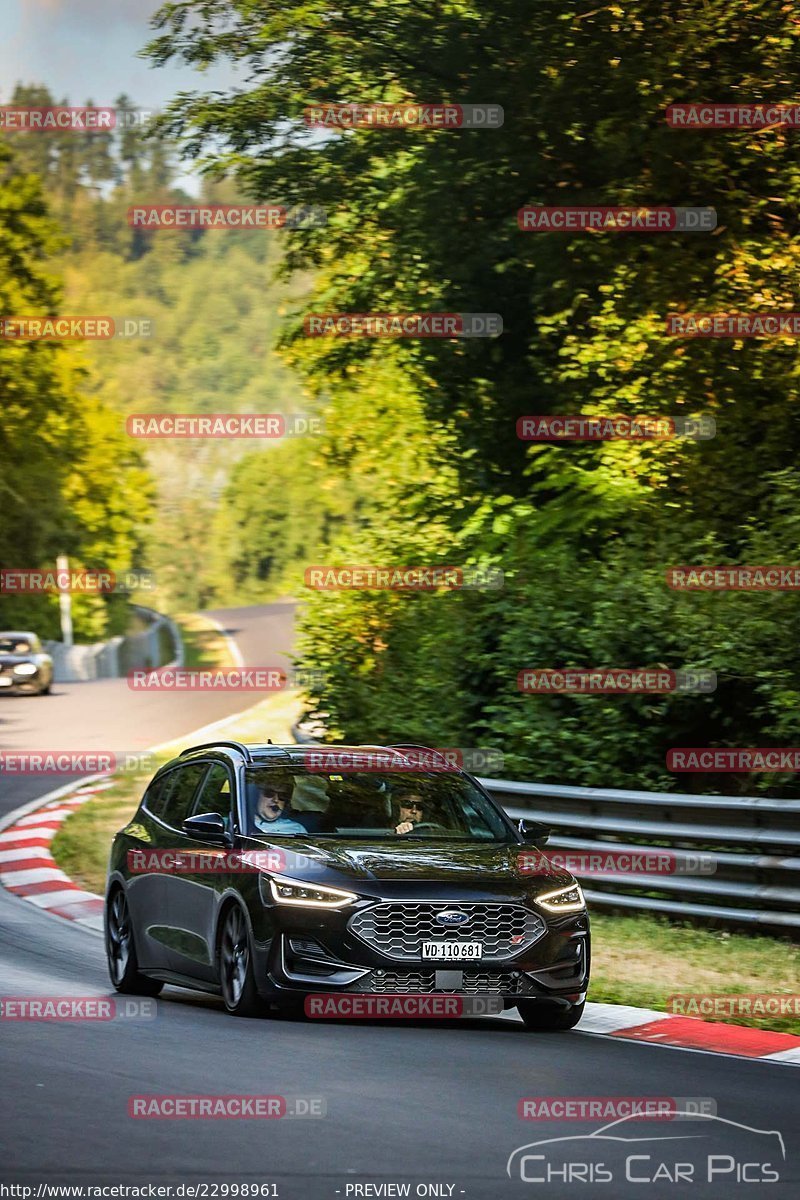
234	957
119	937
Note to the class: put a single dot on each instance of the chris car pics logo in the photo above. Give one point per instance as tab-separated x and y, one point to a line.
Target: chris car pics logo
703	1149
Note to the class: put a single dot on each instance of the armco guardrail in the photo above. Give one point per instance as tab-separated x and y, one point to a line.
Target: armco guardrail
744	888
753	845
157	645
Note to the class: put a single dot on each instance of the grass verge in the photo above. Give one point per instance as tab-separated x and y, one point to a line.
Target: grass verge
203	644
643	960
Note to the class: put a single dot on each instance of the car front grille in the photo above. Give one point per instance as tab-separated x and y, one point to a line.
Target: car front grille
424	982
398	930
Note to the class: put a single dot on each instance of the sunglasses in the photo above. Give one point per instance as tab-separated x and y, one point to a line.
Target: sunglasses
412	804
268	791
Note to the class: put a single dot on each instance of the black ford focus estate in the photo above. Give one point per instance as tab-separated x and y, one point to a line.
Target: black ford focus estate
271	873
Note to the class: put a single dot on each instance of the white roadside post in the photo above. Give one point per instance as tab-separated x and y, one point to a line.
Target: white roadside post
65	601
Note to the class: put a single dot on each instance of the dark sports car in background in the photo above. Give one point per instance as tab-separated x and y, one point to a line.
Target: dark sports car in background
267	874
24	666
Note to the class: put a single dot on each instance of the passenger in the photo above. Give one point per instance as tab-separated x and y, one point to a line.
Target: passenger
271	813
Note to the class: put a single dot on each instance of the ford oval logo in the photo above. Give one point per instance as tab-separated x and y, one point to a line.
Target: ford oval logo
451	917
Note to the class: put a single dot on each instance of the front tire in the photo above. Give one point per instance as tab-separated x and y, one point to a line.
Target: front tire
236	969
546	1017
123	966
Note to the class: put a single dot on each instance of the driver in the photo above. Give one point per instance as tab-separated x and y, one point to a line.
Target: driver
410	811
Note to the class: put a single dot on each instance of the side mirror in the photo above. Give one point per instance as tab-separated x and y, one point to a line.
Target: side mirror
207	827
534	832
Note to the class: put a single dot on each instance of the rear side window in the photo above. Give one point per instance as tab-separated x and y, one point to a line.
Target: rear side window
155	796
178	802
215	794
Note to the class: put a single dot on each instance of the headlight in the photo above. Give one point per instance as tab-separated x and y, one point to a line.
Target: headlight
566	899
290	891
25	669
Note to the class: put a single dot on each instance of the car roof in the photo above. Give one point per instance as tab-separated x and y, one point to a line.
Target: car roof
263	753
17	633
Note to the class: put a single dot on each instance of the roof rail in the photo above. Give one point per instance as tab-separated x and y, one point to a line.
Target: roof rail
271	748
240	746
400	746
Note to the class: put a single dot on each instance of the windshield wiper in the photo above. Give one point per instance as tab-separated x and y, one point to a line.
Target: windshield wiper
429	837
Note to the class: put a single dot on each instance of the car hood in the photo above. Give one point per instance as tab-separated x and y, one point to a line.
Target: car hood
432	860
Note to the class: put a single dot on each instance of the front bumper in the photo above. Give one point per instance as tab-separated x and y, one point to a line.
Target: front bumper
9	682
309	953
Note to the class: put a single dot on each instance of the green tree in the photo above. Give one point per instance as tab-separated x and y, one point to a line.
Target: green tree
426	219
69	480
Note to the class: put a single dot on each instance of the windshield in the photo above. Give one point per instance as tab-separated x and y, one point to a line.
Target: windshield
291	801
17	645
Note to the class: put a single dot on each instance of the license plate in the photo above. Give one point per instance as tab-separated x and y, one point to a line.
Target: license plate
452	951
